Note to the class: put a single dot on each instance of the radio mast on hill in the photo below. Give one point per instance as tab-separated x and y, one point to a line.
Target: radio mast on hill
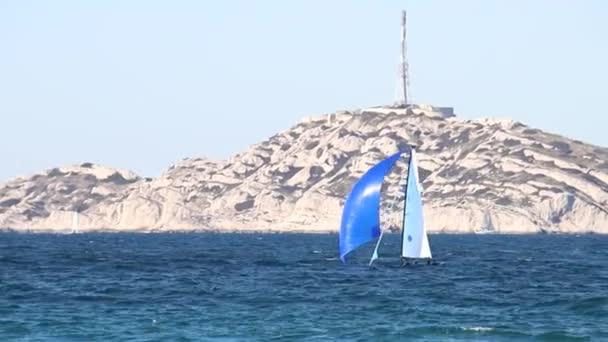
403	82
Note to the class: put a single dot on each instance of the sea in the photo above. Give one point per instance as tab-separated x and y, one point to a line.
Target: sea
293	287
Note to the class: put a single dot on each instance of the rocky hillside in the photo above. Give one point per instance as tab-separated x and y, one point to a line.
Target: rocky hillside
478	176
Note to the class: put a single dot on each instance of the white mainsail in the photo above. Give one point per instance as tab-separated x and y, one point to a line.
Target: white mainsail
414	239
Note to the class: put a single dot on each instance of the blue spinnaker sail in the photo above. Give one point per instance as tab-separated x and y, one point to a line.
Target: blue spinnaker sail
361	218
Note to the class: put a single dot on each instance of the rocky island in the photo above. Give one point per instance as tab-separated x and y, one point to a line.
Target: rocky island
485	176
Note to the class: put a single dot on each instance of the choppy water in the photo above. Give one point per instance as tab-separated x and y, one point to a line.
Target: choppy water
240	287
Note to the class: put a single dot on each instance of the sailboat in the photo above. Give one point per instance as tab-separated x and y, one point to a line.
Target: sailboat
487	225
75	222
361	214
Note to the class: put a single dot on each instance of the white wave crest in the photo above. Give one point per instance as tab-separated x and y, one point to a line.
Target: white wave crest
478	329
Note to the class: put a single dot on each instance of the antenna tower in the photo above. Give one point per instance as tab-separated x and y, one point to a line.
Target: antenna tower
403	81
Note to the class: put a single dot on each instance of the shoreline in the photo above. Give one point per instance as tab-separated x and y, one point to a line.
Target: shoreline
265	232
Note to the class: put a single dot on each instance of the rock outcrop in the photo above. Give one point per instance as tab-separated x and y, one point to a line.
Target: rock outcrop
478	176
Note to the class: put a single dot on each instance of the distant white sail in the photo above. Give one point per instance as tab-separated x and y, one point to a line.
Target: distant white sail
488	225
75	222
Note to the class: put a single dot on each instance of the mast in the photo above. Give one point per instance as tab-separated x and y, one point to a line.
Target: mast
407	183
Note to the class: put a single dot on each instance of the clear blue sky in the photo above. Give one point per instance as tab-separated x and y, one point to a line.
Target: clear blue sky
142	84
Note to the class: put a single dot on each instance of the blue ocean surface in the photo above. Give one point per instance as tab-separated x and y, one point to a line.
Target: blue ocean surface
286	287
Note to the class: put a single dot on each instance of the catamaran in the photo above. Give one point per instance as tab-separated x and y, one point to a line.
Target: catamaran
361	215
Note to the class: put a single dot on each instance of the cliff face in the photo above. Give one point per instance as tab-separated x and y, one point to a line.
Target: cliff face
478	176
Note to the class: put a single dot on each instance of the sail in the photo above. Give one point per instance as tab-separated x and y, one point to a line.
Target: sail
375	254
414	241
488	225
75	222
360	218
